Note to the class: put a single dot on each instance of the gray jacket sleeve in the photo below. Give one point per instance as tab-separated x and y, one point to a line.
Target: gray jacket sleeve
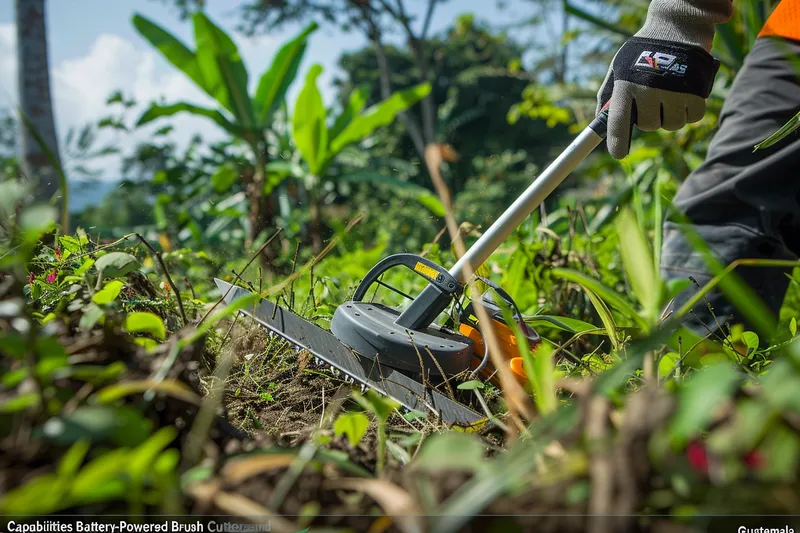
686	21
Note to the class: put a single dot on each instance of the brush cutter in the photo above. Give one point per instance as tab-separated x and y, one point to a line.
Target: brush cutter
400	353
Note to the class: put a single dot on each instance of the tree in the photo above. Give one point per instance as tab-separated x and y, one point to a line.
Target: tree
477	76
320	143
39	159
216	67
376	19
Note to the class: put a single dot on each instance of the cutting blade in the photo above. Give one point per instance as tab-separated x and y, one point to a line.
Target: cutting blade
369	372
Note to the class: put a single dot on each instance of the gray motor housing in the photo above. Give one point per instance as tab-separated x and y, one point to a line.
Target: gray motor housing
370	330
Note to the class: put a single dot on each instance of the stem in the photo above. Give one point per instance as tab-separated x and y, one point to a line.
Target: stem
374	34
417	44
381	447
253	258
161	263
316	219
255	196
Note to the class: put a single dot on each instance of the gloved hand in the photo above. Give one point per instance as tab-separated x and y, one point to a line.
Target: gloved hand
662	75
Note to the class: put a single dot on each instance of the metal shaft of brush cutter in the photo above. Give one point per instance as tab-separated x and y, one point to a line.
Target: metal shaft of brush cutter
533	196
431	301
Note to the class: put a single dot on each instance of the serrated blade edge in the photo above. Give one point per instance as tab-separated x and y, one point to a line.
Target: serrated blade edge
321	343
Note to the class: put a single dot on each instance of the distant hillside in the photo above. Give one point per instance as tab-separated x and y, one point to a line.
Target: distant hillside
83	194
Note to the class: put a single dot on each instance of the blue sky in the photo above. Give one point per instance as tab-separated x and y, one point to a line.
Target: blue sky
95	50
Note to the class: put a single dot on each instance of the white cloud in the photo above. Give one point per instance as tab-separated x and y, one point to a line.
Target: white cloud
81	85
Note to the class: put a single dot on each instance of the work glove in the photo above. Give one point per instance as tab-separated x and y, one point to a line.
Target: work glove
661	76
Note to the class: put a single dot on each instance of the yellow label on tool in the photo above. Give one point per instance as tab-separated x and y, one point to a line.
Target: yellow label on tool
425	270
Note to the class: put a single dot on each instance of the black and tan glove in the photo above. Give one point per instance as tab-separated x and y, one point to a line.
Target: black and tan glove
661	76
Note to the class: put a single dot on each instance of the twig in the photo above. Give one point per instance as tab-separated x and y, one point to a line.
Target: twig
516	398
492	418
294	267
444	376
225	338
157	255
601	470
198	435
191	287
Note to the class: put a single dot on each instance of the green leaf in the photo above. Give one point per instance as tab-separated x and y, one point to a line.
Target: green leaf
451	451
570	325
71	461
376	404
605	316
101	479
146	342
432	203
173	388
608	295
667	363
309	130
471	385
158	111
38	218
275	82
750	340
121	425
167	461
91	315
699	400
174	51
786	130
116	264
353	425
12	378
781	447
742	433
146	453
380	114
144	322
638	262
108	293
403	188
88	263
793	326
19	403
357	101
224	178
70	244
41	495
223	69
95	374
415	415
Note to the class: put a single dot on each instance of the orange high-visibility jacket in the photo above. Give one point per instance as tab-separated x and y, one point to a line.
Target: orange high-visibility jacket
784	21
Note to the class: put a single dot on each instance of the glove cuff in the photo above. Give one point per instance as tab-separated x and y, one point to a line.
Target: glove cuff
688	22
666	65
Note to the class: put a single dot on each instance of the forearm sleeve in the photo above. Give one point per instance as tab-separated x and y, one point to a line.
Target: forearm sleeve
686	21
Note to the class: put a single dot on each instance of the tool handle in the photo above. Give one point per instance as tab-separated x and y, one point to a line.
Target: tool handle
435	274
533	196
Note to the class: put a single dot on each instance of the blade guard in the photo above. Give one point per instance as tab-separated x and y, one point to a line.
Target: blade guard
374	331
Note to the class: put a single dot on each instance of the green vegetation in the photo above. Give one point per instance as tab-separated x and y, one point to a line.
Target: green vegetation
126	387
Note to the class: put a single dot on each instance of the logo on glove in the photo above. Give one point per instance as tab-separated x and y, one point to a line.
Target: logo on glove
660	62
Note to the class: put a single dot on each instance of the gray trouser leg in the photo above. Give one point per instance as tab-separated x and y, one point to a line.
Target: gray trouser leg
744	204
